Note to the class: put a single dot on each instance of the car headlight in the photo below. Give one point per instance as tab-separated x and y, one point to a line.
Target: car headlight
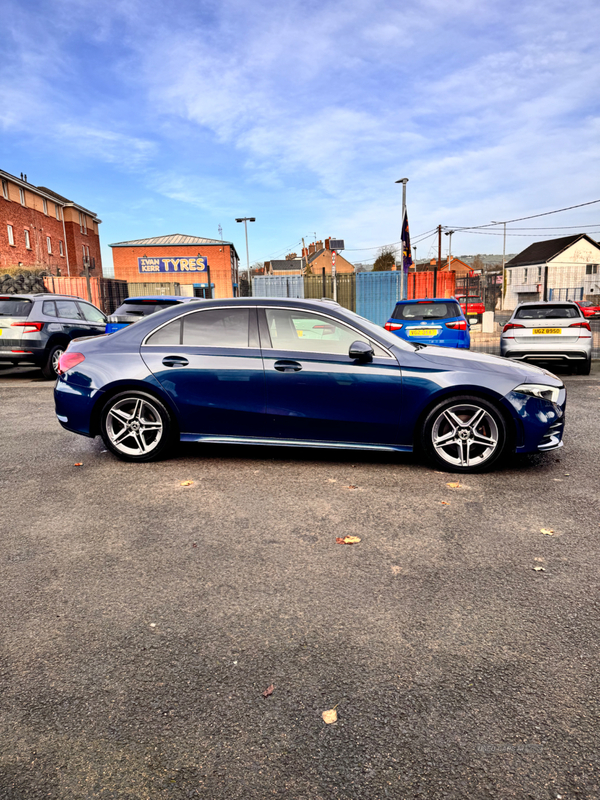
539	390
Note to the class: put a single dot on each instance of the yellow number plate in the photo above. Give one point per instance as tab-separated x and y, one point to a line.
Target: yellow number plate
547	330
423	332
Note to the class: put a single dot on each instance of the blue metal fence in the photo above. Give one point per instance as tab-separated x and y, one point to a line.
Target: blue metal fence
278	286
376	295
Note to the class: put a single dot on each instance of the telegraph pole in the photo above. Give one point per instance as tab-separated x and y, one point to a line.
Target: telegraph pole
439	261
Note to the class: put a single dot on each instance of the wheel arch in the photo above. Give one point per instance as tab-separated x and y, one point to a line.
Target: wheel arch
136	386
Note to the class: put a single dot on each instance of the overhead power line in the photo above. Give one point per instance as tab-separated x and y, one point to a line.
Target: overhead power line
520	219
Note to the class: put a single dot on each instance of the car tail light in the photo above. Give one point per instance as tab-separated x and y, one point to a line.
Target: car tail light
392	326
461	325
69	360
581	325
29	327
509	326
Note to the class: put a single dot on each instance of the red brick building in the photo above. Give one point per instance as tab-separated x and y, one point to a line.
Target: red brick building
40	228
191	261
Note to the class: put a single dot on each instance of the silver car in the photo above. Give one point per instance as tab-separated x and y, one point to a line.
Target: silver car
549	331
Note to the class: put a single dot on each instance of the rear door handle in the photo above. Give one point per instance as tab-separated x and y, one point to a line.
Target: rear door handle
287	366
175	361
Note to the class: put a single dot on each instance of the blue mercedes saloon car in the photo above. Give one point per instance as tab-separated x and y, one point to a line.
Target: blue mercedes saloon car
438	320
301	373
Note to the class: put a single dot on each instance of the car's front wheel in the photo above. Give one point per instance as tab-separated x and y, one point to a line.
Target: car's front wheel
464	434
136	426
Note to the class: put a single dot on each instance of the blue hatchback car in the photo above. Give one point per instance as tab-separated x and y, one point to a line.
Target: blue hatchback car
438	320
301	373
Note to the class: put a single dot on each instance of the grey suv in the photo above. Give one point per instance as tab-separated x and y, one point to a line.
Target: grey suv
37	328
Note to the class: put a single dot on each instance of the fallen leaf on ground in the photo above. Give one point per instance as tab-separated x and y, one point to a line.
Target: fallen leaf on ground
78	464
454	485
547	531
347	540
268	691
538	569
351	486
329	716
187	483
444	502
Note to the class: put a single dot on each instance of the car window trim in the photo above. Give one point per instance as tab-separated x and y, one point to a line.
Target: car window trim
322	314
199	311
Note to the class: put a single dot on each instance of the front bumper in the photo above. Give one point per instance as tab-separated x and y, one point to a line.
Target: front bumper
540	423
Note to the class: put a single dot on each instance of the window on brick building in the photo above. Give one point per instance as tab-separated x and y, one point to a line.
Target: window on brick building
57	210
82	223
27	240
61	249
45	202
49	243
22	196
11	235
5	189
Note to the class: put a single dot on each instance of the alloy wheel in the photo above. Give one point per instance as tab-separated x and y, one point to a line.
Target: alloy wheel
134	426
465	435
56	358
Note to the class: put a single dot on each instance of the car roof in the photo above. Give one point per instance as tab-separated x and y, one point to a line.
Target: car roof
547	303
43	296
167	298
426	300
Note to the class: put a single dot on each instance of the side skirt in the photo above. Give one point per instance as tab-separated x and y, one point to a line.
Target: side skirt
212	439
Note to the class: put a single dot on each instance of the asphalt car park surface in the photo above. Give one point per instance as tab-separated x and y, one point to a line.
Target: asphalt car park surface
143	619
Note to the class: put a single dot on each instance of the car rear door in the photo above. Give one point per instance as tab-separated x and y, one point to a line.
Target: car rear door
209	363
315	391
95	319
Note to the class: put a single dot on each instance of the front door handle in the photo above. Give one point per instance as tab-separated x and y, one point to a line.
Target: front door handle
175	361
287	366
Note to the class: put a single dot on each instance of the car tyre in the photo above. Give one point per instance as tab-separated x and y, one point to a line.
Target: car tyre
49	370
137	426
464	434
584	368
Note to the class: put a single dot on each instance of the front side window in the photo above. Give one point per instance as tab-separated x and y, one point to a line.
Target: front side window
296	329
68	309
217	327
49	243
11	234
27	240
91	313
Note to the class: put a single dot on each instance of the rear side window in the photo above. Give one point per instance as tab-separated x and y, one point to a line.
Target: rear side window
91	313
16	307
168	334
68	309
49	308
548	312
219	327
421	311
143	309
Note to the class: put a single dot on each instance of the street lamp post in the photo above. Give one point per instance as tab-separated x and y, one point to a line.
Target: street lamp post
246	220
503	261
403	181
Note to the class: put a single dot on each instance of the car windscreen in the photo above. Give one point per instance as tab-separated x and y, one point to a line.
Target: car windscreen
15	307
145	308
422	311
548	312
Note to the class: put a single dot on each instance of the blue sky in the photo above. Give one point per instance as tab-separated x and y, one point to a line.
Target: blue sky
177	117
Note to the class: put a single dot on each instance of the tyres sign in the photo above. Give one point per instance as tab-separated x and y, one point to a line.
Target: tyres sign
171	264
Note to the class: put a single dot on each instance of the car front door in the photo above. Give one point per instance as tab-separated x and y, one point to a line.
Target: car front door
315	391
209	363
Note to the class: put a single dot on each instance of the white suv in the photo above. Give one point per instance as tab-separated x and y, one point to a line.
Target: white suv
549	331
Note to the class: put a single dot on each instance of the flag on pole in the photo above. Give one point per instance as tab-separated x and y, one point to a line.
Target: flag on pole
407	261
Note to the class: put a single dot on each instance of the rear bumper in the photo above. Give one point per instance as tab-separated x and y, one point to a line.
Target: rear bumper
24	354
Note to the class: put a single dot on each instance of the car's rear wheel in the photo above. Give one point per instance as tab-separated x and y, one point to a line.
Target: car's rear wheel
464	434
136	426
50	368
584	367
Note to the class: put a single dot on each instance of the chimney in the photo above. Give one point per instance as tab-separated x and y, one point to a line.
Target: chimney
319	245
311	249
327	243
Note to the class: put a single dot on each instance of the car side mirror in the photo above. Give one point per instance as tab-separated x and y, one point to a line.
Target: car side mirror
361	351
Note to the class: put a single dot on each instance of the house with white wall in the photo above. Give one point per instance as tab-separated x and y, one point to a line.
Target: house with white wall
569	268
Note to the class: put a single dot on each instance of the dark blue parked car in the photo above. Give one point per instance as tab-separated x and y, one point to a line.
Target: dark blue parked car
303	373
438	320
